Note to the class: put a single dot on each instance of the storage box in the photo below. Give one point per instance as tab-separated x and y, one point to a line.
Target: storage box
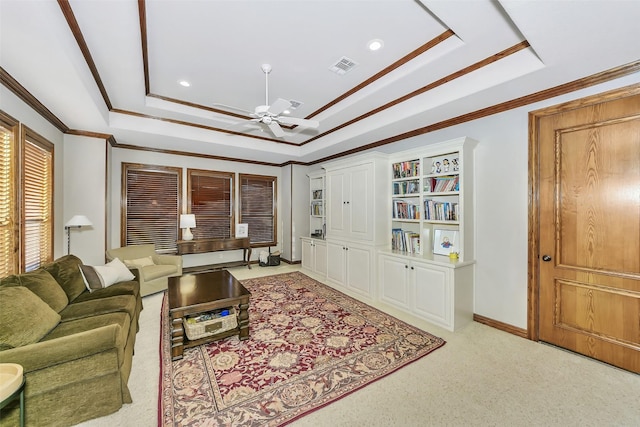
206	328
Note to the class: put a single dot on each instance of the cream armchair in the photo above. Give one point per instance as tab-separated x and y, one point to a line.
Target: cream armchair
151	269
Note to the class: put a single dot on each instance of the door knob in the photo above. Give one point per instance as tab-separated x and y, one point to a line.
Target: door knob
546	258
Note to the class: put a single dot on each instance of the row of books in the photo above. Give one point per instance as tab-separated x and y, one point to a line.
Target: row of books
406	187
406	241
405	210
441	211
317	194
406	169
442	184
317	208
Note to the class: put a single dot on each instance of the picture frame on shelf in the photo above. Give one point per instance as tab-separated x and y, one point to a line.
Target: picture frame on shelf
445	242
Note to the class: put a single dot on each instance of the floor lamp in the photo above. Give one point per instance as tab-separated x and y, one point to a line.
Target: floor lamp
78	221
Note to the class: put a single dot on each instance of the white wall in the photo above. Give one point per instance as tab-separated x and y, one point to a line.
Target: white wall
120	155
85	194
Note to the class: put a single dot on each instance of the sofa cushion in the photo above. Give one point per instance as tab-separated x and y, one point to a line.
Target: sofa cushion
66	272
113	304
139	262
41	283
98	277
24	317
130	287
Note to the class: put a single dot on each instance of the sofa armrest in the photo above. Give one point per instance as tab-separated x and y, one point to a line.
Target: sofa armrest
44	354
169	259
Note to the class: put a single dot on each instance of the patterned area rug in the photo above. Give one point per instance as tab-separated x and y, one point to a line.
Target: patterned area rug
309	345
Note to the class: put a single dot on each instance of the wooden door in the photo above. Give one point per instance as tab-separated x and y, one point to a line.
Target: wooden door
589	229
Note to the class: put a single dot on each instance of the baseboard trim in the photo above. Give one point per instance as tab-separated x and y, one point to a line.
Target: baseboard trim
501	326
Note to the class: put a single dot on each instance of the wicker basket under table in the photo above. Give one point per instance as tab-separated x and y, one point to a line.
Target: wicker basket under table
211	327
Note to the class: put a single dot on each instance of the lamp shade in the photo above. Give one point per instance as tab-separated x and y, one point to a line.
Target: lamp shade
187	220
78	221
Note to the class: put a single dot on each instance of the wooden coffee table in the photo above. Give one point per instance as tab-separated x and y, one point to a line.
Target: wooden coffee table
198	293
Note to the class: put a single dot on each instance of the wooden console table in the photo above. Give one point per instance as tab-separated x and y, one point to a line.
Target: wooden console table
200	246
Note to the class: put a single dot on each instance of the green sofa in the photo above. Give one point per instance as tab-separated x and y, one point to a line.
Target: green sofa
76	346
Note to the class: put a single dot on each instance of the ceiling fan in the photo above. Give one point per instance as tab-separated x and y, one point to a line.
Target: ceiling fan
272	115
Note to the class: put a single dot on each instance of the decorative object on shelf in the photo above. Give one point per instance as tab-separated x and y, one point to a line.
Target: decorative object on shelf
77	221
445	242
242	230
187	221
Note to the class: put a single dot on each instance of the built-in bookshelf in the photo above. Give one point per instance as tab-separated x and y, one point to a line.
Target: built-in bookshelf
428	198
317	205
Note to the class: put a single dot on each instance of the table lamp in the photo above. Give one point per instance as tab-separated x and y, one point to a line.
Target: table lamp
186	222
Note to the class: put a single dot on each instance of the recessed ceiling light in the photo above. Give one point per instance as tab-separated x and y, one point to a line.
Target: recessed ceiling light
376	44
184	83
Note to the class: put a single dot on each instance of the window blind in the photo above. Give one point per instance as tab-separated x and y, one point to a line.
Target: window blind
258	208
211	200
37	201
8	243
152	195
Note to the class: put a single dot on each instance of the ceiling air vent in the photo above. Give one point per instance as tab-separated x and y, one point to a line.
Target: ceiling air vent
343	65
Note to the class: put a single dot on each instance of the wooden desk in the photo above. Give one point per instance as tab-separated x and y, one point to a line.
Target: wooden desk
200	246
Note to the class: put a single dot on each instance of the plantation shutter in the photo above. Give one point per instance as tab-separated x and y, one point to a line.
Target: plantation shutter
8	243
211	200
258	208
152	206
37	179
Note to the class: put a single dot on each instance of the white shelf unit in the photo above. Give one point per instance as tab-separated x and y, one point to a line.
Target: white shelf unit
442	201
317	212
412	276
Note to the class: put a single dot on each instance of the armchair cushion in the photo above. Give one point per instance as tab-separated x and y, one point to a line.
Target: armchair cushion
154	271
139	262
27	322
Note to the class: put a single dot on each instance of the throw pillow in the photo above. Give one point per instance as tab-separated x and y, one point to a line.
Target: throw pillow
24	317
41	283
98	277
139	262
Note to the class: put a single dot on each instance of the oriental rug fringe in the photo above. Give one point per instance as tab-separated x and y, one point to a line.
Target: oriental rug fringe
309	345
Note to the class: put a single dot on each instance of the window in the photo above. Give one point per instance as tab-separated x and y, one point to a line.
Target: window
26	198
211	200
152	196
258	208
8	242
37	200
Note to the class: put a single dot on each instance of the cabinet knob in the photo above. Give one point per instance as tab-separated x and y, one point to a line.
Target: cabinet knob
406	266
412	268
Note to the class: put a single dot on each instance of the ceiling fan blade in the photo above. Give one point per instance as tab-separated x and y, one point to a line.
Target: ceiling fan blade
276	129
279	106
298	122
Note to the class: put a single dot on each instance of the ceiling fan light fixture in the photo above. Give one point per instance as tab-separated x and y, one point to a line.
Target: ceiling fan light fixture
375	44
184	83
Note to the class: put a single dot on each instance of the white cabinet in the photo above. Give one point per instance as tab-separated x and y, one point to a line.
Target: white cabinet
356	201
349	267
314	255
350	202
437	292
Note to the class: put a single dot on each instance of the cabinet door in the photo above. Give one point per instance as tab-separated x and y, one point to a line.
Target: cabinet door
431	293
360	203
394	273
335	262
336	203
358	262
307	254
320	258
